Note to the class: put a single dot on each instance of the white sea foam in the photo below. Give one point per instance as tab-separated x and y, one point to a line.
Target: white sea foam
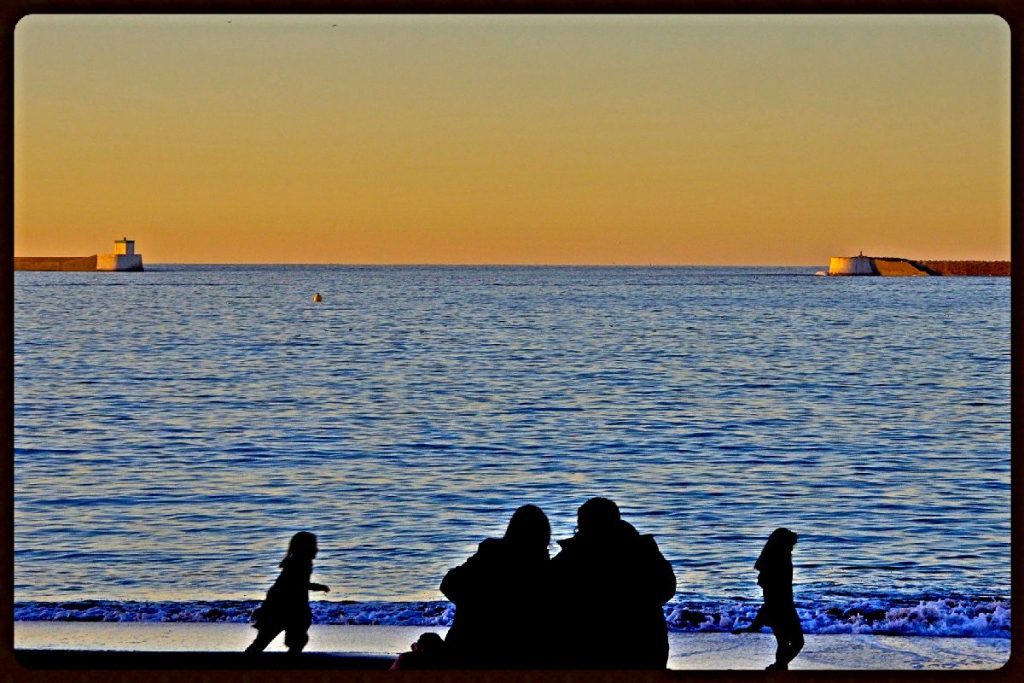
956	617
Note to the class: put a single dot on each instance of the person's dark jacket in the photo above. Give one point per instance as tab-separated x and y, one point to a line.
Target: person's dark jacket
775	576
610	589
499	594
287	601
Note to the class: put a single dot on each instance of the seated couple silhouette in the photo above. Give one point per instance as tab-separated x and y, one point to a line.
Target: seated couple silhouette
596	604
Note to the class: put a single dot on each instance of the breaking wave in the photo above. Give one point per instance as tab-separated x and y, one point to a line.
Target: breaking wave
986	617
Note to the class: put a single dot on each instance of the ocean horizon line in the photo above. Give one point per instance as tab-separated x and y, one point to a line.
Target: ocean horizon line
487	265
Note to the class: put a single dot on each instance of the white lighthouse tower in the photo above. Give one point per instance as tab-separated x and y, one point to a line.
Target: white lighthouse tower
123	258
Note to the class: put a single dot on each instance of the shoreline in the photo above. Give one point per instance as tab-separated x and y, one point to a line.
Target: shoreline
175	645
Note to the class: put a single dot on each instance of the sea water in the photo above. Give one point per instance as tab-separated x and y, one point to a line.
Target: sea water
173	428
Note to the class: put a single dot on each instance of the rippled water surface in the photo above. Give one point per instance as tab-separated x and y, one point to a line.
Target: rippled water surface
174	427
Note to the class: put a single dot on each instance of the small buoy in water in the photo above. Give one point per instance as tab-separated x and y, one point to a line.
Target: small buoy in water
317	298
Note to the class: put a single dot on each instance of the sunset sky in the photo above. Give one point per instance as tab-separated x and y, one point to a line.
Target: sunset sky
732	140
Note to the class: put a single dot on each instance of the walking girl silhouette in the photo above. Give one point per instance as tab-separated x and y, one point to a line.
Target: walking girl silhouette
775	576
286	607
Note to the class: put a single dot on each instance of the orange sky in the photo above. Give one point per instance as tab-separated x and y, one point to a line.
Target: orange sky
762	140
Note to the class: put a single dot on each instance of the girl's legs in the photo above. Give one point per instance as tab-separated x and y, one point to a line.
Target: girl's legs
789	640
781	646
296	640
263	638
796	643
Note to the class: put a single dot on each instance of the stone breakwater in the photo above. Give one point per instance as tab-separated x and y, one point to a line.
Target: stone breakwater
66	263
995	268
122	258
900	267
96	262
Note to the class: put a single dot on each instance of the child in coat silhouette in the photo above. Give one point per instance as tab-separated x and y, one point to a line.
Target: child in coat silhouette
286	607
775	576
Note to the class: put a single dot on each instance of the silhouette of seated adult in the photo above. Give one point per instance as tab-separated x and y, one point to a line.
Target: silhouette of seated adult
498	594
610	584
775	576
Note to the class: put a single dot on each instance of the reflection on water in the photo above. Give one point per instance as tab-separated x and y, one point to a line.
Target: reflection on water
174	427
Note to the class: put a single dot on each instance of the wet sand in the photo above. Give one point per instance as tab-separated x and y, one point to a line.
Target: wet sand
164	645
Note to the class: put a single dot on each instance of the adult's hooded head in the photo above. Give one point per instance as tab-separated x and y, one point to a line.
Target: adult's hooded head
598	516
529	528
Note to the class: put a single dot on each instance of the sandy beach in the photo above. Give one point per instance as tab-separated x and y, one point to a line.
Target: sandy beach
693	651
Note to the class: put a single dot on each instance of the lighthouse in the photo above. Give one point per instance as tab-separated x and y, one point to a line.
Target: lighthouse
124	246
123	258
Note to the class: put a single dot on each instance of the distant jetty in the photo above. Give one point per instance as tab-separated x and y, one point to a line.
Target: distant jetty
124	258
887	266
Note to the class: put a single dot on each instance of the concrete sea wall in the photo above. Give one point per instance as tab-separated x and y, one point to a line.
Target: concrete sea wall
852	265
102	262
897	267
900	267
119	262
994	268
79	263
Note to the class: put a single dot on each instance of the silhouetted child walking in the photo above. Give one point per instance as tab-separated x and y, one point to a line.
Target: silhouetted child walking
775	576
286	607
